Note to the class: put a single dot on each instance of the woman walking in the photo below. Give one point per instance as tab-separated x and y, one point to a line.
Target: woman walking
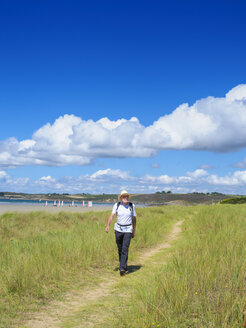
125	227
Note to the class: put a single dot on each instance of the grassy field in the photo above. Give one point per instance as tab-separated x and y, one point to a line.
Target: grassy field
202	284
43	255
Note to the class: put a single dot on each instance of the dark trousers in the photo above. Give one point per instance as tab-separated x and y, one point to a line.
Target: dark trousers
123	242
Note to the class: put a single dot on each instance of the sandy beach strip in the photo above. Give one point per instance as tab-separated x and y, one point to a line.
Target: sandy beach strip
52	209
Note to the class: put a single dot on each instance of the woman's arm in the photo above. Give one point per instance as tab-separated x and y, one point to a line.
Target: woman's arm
110	218
134	223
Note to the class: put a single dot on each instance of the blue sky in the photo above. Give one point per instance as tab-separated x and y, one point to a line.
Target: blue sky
92	96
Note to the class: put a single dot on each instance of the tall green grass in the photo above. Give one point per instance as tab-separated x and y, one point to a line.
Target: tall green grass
204	283
43	254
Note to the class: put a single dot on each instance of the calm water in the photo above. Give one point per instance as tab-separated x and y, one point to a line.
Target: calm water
49	203
16	202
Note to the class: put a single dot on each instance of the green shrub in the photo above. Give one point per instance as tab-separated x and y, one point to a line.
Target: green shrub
236	200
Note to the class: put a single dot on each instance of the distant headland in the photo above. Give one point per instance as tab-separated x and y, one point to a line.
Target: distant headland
158	198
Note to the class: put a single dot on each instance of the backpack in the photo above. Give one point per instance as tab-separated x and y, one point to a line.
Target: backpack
131	209
130	204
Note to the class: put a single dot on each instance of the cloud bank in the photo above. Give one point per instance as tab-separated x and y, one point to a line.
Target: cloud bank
211	124
114	180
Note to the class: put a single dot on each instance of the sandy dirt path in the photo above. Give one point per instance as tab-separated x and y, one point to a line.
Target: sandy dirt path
52	315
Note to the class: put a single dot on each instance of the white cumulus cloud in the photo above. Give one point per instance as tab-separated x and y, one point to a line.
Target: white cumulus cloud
237	93
109	173
212	124
47	179
114	180
197	173
3	175
238	178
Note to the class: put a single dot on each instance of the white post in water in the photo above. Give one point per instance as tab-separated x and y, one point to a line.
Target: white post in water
89	203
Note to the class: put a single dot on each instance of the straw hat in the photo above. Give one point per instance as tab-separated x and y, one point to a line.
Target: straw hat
123	193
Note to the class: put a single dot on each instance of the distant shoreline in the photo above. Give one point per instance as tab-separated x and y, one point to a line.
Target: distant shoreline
156	199
42	202
51	209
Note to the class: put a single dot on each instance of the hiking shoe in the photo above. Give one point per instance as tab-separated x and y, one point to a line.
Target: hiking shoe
122	272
